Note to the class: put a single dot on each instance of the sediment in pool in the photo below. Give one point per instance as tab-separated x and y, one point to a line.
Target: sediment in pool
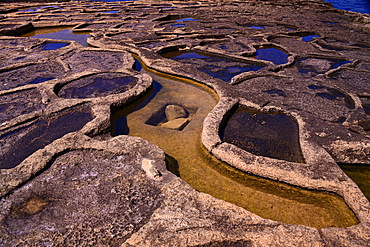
18	144
272	134
360	174
97	85
187	158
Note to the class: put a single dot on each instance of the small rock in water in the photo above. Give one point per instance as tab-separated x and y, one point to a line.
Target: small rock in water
176	124
175	111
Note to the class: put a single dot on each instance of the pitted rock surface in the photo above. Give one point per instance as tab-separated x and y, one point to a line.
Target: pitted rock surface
68	196
19	103
86	188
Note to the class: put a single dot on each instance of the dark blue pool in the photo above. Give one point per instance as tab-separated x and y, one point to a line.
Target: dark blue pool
362	6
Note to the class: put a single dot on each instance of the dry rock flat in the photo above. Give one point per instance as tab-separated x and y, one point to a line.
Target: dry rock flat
66	67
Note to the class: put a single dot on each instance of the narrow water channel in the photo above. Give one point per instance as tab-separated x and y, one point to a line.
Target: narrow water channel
187	158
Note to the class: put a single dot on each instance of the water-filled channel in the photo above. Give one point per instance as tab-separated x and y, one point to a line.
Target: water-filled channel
187	158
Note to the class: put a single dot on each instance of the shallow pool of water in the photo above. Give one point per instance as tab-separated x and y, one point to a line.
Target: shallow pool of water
273	135
41	80
187	158
97	86
309	37
272	54
111	12
218	67
316	66
53	46
187	19
25	141
360	174
257	27
60	33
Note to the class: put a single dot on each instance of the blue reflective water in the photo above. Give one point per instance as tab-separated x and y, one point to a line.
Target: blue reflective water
315	87
361	6
40	80
187	19
273	55
189	55
256	27
65	35
53	46
337	63
137	65
119	126
309	37
111	12
334	63
215	66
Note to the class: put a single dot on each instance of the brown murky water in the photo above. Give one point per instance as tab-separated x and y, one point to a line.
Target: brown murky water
187	158
360	174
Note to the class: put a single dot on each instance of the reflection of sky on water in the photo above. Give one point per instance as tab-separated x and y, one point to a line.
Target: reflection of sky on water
362	6
65	35
309	37
273	55
34	9
214	66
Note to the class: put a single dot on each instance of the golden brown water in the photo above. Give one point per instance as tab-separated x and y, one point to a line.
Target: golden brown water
188	158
